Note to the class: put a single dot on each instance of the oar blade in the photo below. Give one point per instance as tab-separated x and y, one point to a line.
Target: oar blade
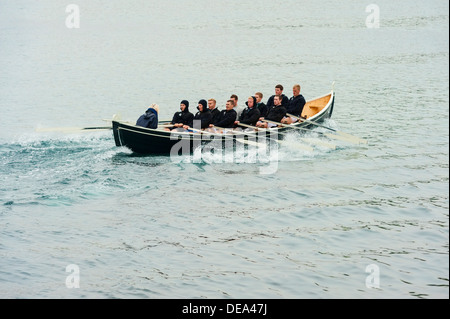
318	142
352	137
239	140
253	143
341	138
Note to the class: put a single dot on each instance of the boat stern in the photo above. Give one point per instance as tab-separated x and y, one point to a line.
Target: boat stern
115	127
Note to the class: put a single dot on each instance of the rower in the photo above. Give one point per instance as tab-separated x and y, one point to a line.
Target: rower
227	117
295	106
250	114
275	113
278	91
203	115
262	107
235	99
215	112
181	118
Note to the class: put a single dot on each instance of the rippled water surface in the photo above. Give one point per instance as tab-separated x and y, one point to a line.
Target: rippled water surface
158	227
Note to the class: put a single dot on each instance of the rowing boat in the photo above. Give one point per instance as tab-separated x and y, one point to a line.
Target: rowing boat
158	141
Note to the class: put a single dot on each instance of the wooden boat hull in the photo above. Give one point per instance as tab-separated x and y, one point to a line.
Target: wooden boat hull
157	141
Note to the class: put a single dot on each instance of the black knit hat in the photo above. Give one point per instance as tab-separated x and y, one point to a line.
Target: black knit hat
204	103
254	101
185	102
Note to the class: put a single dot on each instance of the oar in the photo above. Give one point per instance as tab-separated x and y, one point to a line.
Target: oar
73	129
352	137
262	145
303	147
333	136
297	145
166	125
307	140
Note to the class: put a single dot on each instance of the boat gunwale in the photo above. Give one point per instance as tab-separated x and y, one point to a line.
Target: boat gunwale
321	112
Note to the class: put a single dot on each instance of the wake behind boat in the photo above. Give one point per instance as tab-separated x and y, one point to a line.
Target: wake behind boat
158	141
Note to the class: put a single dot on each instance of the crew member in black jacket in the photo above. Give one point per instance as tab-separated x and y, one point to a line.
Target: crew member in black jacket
203	115
214	110
276	113
227	116
250	115
262	107
295	107
278	91
182	118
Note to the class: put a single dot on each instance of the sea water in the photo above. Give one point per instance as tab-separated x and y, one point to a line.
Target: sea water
82	218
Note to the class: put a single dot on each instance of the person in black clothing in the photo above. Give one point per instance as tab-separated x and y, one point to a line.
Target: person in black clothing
278	91
276	113
295	107
262	107
214	110
182	118
227	116
203	115
250	115
150	118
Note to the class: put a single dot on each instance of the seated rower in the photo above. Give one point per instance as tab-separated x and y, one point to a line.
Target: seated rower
227	117
150	118
215	112
181	118
275	113
235	99
262	107
295	106
203	115
251	114
278	91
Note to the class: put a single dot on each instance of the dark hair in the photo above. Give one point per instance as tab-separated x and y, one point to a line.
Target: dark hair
234	96
279	86
232	102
